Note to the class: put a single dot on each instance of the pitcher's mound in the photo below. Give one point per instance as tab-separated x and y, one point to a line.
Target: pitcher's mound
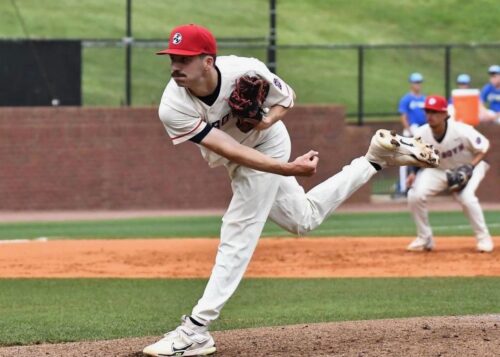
422	336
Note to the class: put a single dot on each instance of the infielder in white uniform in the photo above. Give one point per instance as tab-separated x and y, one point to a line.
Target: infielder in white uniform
460	146
195	108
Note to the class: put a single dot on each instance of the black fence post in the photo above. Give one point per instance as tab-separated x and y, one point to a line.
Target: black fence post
447	71
360	84
271	48
128	55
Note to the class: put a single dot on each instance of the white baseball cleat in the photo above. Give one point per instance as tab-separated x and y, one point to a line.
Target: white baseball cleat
390	149
186	340
485	245
421	245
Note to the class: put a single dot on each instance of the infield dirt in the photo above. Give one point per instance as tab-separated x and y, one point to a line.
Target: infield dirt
274	257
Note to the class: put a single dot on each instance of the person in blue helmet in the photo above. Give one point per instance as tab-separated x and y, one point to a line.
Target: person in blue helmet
411	105
412	116
463	82
490	96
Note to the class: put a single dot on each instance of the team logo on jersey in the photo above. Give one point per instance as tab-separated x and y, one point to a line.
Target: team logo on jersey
177	38
277	82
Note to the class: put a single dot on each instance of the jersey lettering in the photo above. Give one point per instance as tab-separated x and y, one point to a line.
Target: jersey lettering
453	151
219	123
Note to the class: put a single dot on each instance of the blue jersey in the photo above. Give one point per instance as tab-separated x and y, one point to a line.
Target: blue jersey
413	106
490	96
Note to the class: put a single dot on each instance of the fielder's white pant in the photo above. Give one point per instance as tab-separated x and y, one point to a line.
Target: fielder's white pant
403	170
258	195
430	182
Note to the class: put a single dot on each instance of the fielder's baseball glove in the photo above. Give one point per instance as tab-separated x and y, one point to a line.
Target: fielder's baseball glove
246	101
459	177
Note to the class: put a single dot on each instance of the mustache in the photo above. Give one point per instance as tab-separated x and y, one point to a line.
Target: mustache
177	74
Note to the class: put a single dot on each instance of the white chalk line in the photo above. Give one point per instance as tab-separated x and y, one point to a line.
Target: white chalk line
15	241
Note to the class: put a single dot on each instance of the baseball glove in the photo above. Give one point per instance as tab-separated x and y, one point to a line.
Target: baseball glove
246	101
459	177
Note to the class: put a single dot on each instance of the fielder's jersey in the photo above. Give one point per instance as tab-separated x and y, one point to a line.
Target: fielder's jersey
413	106
184	115
491	97
460	144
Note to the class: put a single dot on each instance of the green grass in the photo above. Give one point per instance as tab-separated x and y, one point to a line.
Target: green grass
335	21
341	224
36	310
318	76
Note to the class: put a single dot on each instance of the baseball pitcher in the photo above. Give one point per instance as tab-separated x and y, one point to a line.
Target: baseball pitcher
232	108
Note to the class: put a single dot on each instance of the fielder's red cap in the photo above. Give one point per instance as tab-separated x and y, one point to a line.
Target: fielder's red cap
437	103
190	40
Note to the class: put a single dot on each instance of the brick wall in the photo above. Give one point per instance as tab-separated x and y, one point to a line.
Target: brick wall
118	158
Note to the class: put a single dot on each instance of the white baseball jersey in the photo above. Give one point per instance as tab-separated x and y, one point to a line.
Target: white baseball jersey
460	144
184	115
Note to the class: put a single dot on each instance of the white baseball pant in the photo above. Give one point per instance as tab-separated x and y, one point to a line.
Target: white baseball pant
258	195
430	182
403	170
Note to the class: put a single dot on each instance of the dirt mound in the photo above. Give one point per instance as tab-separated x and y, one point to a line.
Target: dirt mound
432	336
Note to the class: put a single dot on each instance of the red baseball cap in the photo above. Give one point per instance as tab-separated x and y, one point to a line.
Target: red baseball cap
437	103
190	40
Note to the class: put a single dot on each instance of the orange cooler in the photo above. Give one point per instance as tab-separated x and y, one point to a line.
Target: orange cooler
466	103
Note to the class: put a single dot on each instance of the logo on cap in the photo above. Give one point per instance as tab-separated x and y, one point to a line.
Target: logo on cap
190	40
177	38
436	103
